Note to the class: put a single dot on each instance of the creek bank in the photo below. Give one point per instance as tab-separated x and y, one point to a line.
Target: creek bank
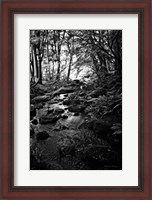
67	120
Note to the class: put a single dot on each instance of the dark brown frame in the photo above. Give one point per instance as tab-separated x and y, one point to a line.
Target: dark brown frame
10	7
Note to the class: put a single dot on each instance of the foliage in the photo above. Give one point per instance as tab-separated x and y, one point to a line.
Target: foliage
37	159
64	51
88	63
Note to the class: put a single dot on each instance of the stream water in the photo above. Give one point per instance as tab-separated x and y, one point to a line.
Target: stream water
63	143
67	119
66	127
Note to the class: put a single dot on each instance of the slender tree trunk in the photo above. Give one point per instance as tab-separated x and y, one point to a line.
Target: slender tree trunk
53	70
71	50
35	63
69	68
32	70
31	64
58	61
40	58
40	70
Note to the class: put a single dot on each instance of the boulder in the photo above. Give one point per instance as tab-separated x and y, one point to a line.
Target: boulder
39	99
67	102
48	119
58	110
42	112
77	109
34	121
42	135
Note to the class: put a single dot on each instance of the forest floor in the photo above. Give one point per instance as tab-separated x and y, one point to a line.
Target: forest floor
75	126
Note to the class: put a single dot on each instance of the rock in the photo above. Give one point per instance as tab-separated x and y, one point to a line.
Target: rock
76	108
58	110
42	135
32	111
42	112
67	102
48	119
63	90
39	99
34	121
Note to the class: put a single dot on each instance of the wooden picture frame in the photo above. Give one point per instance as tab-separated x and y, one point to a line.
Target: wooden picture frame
9	9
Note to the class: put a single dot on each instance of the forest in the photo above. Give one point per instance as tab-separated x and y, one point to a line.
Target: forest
75	99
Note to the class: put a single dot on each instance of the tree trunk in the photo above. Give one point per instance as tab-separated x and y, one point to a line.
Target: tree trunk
35	63
58	61
40	70
71	51
69	68
53	71
31	64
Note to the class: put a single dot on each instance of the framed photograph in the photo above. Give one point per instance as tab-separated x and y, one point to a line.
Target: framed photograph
75	100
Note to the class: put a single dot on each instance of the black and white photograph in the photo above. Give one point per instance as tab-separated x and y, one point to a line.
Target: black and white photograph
75	99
